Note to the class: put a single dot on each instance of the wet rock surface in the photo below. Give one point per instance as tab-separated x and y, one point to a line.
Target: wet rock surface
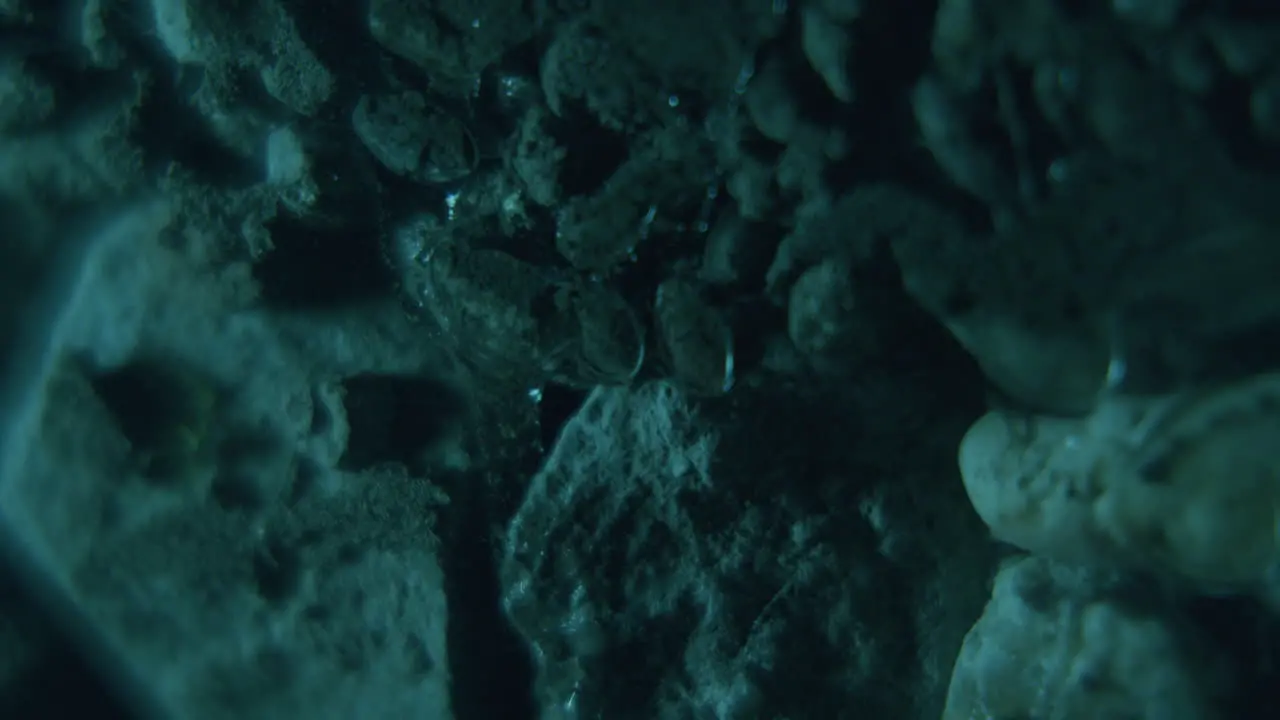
431	358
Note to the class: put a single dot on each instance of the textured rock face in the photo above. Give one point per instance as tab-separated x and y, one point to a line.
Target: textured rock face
503	359
1056	642
178	476
1185	485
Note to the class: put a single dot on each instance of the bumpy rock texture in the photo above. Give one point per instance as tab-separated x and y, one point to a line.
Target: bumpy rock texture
621	359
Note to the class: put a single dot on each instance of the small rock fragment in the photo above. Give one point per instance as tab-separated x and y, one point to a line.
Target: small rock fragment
828	46
698	342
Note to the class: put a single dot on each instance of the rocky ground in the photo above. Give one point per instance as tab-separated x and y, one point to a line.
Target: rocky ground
617	359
